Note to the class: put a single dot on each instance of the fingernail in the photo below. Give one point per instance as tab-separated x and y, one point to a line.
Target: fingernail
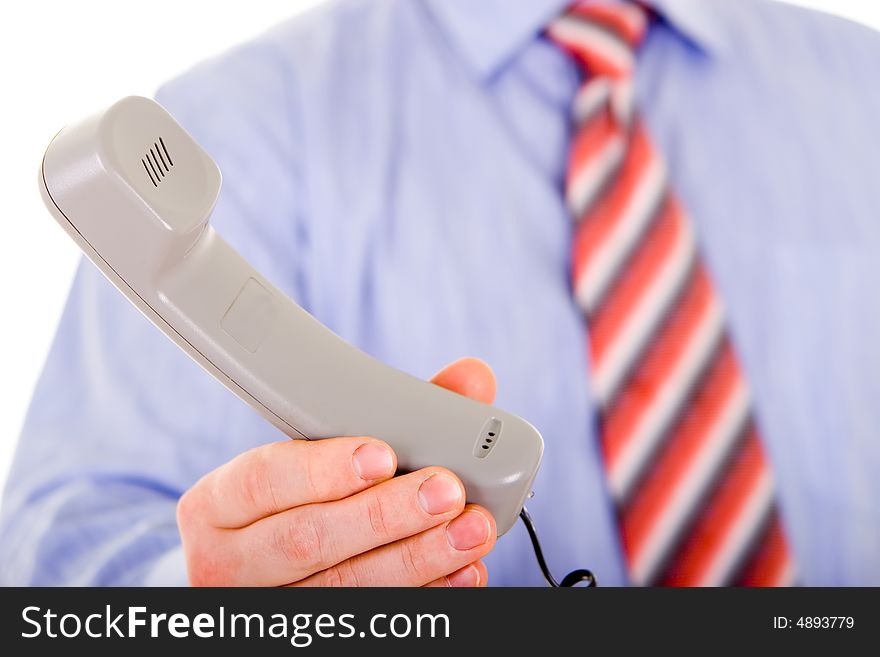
468	531
372	461
439	493
466	577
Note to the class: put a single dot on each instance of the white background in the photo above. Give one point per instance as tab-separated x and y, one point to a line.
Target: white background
60	60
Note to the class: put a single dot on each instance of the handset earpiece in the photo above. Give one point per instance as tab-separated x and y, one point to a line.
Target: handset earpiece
135	192
134	185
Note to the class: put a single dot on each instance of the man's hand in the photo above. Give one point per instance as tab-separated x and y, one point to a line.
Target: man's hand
328	513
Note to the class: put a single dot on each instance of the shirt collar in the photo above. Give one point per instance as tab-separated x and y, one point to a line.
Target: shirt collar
488	33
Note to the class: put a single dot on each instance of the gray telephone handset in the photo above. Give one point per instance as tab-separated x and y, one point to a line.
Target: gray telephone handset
135	192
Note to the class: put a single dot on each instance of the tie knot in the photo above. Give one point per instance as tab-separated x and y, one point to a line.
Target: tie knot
602	36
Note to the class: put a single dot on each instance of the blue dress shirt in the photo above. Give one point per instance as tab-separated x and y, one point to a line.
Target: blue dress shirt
396	167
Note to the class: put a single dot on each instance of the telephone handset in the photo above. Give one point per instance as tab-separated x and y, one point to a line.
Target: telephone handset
135	192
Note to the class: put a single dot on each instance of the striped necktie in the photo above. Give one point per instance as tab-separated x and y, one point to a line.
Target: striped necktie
682	453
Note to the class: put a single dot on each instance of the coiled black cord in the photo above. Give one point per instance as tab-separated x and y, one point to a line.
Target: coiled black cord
574	577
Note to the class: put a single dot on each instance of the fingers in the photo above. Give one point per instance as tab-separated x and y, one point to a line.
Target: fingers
279	476
306	540
328	511
420	559
472	575
470	377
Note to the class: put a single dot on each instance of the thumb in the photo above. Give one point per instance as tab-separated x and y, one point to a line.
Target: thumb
470	377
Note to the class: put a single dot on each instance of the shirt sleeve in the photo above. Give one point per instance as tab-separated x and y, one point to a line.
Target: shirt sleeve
121	421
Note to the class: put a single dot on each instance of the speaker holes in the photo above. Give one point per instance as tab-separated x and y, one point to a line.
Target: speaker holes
488	438
152	180
161	158
161	141
157	162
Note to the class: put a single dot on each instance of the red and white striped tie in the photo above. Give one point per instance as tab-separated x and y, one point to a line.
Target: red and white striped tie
682	453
